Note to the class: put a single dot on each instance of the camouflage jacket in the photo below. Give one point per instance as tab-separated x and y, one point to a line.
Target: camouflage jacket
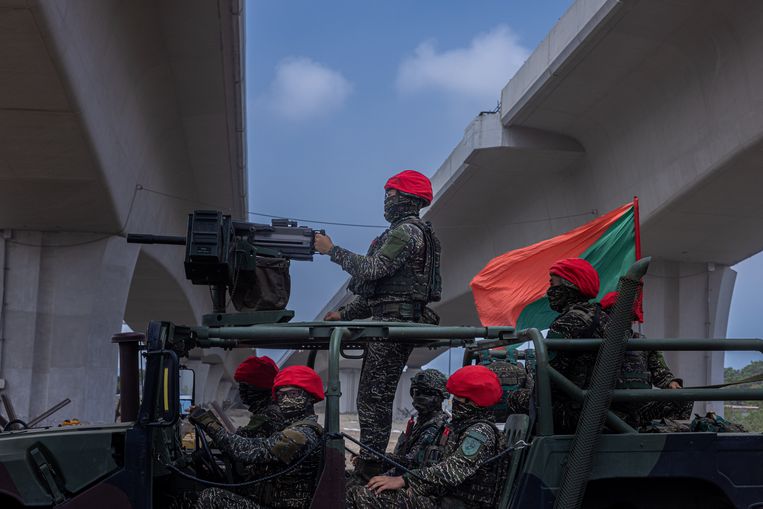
403	243
642	370
416	446
278	451
578	320
461	474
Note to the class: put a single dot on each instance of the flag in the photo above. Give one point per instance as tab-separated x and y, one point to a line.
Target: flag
511	289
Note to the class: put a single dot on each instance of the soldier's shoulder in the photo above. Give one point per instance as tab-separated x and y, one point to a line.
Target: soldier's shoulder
409	229
308	427
482	431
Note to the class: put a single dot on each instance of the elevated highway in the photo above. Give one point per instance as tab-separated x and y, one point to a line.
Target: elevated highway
115	116
659	99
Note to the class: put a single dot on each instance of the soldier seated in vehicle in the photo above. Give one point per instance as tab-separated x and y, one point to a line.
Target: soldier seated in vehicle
461	478
573	282
417	446
643	370
296	389
255	378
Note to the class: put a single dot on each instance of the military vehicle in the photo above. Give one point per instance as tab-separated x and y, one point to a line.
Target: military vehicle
143	463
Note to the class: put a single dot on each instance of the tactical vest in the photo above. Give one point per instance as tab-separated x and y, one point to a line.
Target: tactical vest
411	283
295	489
481	489
426	449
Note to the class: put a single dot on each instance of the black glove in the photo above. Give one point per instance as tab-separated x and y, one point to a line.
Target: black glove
206	420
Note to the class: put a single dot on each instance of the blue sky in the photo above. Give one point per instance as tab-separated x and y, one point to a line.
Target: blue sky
343	94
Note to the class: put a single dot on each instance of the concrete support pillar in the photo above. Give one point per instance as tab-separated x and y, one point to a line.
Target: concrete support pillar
690	300
64	297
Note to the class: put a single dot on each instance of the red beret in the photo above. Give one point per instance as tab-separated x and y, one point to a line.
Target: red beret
476	383
411	182
302	377
609	300
580	273
256	371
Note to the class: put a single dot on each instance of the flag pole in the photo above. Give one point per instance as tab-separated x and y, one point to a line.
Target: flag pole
637	227
637	235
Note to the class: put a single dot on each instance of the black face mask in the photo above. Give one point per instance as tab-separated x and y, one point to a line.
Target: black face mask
561	296
426	404
399	206
253	397
294	403
463	411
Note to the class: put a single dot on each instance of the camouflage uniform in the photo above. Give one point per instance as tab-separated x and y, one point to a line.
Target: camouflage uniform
460	477
263	422
513	377
578	320
642	370
291	490
391	283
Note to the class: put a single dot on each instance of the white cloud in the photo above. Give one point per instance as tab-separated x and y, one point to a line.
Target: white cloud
304	89
480	71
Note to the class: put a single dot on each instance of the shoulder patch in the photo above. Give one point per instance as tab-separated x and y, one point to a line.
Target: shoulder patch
473	442
394	243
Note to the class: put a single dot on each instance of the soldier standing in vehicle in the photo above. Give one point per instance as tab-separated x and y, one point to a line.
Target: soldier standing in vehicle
461	478
573	282
296	389
643	370
394	282
255	388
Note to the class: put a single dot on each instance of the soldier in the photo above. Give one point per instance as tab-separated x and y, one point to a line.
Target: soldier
460	479
296	389
643	370
255	387
573	283
394	282
418	446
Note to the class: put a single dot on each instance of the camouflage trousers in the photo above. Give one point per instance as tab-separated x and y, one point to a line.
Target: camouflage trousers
382	366
359	497
217	498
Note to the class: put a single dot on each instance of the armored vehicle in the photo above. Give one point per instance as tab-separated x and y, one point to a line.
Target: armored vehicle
606	464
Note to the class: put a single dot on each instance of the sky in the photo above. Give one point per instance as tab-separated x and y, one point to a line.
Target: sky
343	94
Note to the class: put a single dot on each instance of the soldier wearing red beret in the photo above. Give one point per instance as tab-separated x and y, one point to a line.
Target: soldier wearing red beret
296	389
461	478
255	385
394	282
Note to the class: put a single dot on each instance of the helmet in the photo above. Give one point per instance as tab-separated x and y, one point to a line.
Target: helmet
430	380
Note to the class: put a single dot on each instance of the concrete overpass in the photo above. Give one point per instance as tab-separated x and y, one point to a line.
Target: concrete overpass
115	116
660	99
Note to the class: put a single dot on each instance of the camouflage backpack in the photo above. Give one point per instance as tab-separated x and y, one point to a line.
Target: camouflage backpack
715	424
511	375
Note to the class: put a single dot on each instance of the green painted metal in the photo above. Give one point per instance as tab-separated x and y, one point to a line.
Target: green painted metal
672	345
334	391
578	394
542	382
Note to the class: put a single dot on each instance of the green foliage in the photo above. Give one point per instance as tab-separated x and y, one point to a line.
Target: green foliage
750	419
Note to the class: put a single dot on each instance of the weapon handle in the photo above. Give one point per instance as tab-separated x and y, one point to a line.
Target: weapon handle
144	238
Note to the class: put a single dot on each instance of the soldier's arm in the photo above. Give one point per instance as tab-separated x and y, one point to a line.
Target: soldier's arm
400	244
477	445
356	309
661	374
284	446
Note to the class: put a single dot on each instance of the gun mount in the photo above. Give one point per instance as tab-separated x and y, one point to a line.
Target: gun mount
248	261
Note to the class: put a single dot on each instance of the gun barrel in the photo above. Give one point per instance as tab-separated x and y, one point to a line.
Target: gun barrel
144	238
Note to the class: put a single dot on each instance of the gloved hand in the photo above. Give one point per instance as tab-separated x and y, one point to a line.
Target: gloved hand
206	419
